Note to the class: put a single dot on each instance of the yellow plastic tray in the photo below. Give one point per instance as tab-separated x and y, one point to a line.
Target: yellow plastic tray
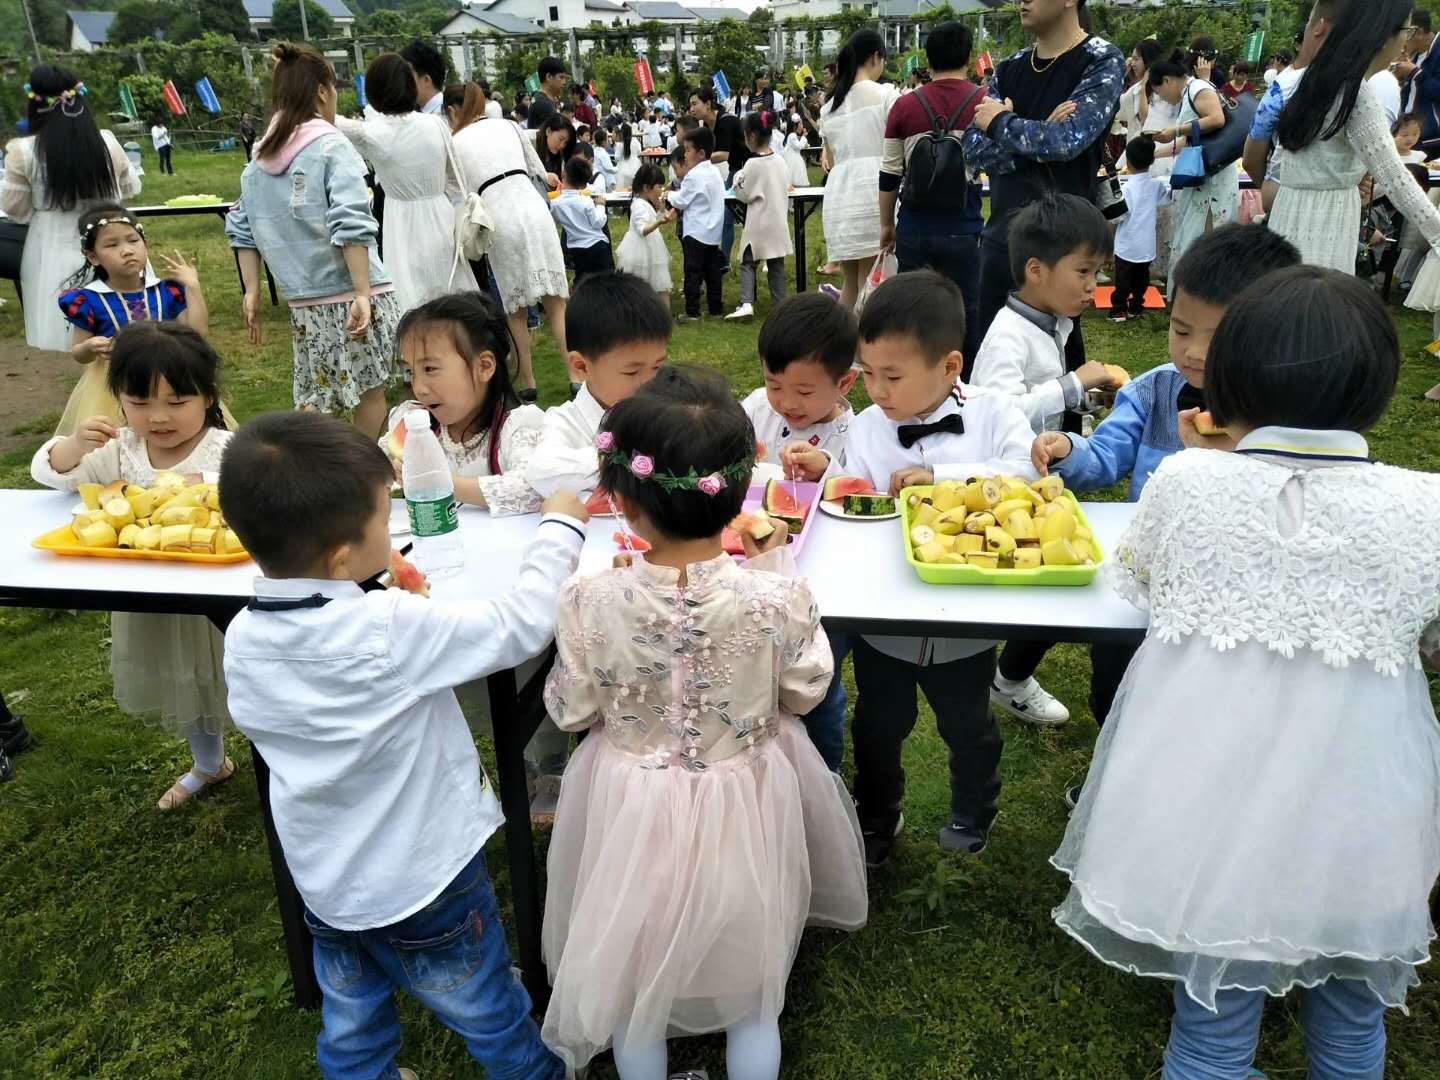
948	574
62	541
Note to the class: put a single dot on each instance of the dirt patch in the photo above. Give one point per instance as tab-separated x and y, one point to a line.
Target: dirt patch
34	385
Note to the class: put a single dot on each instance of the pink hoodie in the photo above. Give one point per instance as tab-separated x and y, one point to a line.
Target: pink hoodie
299	139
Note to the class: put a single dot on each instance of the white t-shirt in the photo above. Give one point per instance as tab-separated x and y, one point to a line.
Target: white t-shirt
1387	89
1135	237
493	111
160	136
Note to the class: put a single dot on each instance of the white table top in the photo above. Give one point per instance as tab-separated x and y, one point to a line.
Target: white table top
857	569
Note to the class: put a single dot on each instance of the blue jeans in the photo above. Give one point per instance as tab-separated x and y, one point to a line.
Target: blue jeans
453	958
920	244
727	237
1343	1020
825	724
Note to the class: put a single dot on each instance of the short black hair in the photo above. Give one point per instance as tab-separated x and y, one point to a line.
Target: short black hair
920	304
647	175
677	156
425	59
1240	67
1408	118
685	420
551	65
705	93
1054	226
701	138
147	351
578	172
1304	347
297	485
687	123
810	326
949	46
1216	268
1420	20
1140	152
613	309
390	84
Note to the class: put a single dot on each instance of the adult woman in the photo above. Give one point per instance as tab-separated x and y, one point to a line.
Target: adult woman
554	142
414	161
305	209
1135	101
852	124
1334	131
1197	209
626	153
525	257
52	176
617	108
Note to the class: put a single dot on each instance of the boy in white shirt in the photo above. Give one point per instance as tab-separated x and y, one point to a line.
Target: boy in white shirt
1135	236
701	199
1057	246
585	221
924	428
378	795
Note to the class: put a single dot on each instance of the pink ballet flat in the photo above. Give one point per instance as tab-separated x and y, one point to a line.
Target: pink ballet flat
178	795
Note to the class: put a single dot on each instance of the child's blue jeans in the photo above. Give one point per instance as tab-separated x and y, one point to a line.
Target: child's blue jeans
825	723
1344	1025
453	958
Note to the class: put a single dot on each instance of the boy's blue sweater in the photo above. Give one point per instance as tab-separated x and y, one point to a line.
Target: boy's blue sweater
1141	431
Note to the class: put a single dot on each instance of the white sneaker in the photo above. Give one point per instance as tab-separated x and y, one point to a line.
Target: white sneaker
741	314
1031	703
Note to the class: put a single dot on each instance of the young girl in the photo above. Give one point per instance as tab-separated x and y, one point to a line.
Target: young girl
114	289
167	668
795	143
763	184
457	351
1293	843
698	831
642	251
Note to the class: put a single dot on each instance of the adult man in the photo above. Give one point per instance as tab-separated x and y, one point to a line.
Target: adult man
1023	152
546	104
1421	72
584	113
429	68
663	104
943	237
730	153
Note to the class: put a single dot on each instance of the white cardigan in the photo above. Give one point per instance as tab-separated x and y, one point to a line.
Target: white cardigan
1024	355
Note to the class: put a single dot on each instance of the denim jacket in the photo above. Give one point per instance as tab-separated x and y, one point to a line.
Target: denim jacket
301	217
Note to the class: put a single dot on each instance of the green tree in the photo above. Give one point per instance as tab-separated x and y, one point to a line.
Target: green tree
679	85
654	46
286	20
141	20
762	18
615	77
731	47
223	17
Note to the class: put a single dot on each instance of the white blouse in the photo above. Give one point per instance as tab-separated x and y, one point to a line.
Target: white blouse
506	492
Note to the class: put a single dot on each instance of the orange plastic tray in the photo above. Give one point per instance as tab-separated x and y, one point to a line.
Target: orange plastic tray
62	541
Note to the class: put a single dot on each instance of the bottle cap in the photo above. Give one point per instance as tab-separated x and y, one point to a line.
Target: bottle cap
417	420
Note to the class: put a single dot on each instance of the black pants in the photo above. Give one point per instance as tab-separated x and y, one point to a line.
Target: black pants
703	263
1020	659
885	713
1131	281
1107	667
592	260
165	164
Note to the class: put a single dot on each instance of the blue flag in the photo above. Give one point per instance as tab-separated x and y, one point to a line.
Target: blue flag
722	86
360	91
206	93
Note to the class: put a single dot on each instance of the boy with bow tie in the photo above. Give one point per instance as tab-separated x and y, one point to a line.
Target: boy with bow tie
924	427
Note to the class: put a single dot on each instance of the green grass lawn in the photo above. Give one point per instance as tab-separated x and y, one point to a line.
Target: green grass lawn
135	944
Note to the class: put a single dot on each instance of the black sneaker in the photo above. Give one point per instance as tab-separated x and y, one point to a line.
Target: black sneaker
7	770
15	737
966	839
1072	795
879	847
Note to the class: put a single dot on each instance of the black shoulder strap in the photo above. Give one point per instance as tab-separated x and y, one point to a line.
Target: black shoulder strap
955	116
934	119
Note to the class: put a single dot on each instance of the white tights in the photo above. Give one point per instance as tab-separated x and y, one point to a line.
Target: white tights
752	1052
208	751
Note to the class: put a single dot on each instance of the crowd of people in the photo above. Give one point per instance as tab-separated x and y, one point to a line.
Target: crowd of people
1270	743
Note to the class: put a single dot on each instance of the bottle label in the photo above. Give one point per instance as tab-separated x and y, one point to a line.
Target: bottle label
433	517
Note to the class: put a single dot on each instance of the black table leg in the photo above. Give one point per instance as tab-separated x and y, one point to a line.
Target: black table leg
797	212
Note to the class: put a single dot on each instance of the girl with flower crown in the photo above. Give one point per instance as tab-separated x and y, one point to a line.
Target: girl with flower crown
699	832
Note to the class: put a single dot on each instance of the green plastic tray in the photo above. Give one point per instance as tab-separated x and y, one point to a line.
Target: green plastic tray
951	574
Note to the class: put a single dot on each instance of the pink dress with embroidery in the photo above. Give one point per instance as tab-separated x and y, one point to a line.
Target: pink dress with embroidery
698	831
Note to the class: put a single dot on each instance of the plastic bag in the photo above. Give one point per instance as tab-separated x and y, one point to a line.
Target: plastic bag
882	270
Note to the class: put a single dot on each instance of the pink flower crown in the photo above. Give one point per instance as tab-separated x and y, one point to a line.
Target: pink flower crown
642	467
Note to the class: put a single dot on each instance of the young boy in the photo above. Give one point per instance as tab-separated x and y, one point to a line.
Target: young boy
801	414
1057	246
924	428
1146	425
702	200
1135	235
585	222
378	794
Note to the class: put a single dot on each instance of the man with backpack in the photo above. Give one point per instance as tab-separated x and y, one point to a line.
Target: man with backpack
924	167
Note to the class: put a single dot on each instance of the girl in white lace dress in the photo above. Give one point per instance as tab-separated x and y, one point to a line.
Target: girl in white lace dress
1261	814
167	668
642	250
699	831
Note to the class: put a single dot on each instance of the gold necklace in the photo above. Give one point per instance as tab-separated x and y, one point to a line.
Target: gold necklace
1051	62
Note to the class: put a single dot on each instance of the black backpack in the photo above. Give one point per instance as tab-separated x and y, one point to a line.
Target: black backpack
936	177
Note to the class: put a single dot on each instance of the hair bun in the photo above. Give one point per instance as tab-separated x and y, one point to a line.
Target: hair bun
284	52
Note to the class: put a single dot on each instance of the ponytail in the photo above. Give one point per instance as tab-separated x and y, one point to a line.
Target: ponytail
300	73
759	126
858	48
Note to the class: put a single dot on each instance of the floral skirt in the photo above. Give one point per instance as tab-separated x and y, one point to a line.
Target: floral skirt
332	370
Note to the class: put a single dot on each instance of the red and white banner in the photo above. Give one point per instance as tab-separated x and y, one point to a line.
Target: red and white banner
985	66
643	79
172	99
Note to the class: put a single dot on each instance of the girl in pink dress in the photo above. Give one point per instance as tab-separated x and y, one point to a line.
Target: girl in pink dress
698	831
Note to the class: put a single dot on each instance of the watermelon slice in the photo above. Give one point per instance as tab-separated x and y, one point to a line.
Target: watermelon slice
627	542
756	525
598	503
837	487
395	445
731	542
406	575
780	503
761	450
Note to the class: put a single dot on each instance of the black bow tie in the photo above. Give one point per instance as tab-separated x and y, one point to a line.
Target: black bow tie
910	434
314	600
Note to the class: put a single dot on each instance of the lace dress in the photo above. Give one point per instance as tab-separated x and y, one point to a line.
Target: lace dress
1318	206
1261	813
855	134
167	669
645	256
505	492
698	831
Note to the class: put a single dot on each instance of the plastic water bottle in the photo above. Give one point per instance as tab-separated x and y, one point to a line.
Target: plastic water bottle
430	499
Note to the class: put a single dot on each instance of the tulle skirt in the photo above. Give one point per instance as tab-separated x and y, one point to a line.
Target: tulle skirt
1424	293
91	397
646	257
675	899
169	670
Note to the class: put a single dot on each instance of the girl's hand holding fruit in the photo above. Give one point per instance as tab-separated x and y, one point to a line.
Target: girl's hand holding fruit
778	537
92	434
1198	432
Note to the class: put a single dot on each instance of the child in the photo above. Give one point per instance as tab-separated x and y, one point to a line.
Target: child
924	428
1144	427
456	351
604	163
699	831
596	183
763	185
114	289
1135	236
1407	131
585	222
377	791
1057	246
795	143
1260	816
642	251
702	200
166	668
